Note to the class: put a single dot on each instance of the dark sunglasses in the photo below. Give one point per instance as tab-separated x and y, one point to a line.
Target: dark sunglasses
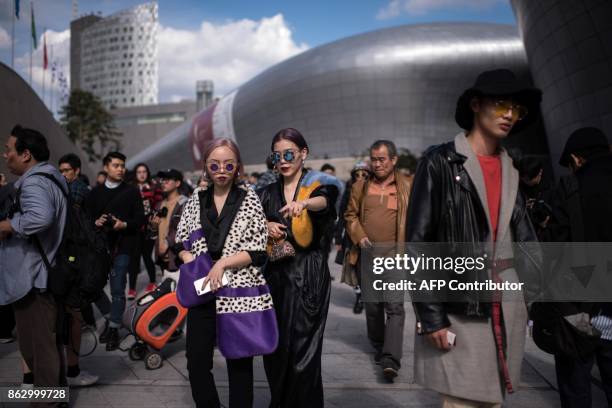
288	155
215	168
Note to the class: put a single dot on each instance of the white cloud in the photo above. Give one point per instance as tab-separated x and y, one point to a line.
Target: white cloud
228	53
5	38
422	7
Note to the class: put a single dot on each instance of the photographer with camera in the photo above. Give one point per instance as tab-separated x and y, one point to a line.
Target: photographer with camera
117	208
537	191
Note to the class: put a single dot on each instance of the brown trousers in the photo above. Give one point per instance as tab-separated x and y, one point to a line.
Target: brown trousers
36	318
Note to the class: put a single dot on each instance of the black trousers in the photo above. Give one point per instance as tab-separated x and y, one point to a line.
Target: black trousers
201	338
7	321
574	376
144	250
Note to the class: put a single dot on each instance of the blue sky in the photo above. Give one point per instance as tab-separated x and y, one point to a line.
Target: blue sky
289	27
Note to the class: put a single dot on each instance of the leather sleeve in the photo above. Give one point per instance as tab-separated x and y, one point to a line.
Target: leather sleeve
354	229
529	262
422	226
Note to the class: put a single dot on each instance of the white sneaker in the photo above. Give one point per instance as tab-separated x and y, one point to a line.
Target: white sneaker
25	386
84	379
6	340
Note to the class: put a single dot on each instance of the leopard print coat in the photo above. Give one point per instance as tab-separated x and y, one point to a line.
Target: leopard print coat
248	232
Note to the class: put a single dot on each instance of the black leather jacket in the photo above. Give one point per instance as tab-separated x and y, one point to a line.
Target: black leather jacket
443	209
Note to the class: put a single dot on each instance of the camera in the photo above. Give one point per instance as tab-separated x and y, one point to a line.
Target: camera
163	212
110	221
540	211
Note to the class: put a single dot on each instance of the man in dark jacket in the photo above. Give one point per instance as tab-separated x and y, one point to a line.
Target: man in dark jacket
117	207
467	190
582	212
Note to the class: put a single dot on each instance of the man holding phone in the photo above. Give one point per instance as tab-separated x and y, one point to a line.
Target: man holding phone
466	191
117	208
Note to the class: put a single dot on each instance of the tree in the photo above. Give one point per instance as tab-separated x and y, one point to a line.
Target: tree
89	125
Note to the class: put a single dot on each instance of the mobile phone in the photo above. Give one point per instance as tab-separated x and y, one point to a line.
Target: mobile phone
451	337
198	285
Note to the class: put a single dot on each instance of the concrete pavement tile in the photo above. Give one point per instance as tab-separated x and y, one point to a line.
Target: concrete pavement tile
165	372
530	398
111	369
121	396
88	397
174	396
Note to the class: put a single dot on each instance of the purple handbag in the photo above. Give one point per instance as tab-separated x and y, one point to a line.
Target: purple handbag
246	334
189	273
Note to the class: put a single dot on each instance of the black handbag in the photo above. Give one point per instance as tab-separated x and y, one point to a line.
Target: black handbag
553	334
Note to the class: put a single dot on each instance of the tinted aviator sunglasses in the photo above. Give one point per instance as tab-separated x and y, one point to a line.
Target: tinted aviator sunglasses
215	167
502	106
288	155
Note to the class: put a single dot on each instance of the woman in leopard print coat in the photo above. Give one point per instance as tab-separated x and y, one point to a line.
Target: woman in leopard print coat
226	222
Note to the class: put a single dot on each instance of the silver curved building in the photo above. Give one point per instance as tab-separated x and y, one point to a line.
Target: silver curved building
118	57
569	47
400	84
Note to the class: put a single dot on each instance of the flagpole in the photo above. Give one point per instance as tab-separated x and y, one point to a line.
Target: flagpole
31	45
13	37
52	79
44	67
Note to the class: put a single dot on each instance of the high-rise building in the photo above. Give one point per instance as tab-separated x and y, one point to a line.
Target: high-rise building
115	57
76	30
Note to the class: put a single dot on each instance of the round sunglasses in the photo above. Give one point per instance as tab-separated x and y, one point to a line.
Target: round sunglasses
216	168
287	155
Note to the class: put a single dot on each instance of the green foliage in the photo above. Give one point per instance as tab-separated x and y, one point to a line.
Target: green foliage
89	125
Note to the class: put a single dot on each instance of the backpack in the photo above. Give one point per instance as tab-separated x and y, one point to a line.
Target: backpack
82	262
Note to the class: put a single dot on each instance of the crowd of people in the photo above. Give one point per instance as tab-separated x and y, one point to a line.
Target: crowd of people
265	239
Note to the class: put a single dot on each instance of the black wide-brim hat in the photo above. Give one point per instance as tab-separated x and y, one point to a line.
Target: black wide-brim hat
502	83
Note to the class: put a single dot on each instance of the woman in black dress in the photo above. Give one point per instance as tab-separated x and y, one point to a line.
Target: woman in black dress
299	206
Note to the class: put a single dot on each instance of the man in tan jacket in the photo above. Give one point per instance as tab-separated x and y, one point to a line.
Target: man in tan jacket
376	213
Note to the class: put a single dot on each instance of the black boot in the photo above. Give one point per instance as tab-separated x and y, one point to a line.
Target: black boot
358	307
113	339
104	336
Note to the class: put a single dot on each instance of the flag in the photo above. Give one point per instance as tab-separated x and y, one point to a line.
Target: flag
53	71
17	8
45	59
33	27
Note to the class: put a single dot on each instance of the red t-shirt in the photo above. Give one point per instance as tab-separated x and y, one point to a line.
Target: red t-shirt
491	171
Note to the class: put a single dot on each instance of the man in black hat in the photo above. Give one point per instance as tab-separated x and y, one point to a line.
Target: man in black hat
466	190
582	212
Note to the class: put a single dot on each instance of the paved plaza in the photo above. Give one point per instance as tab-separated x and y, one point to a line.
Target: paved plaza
350	377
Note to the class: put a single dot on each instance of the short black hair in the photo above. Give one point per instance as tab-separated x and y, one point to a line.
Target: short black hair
328	166
269	163
72	159
102	173
31	140
593	152
388	144
113	155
